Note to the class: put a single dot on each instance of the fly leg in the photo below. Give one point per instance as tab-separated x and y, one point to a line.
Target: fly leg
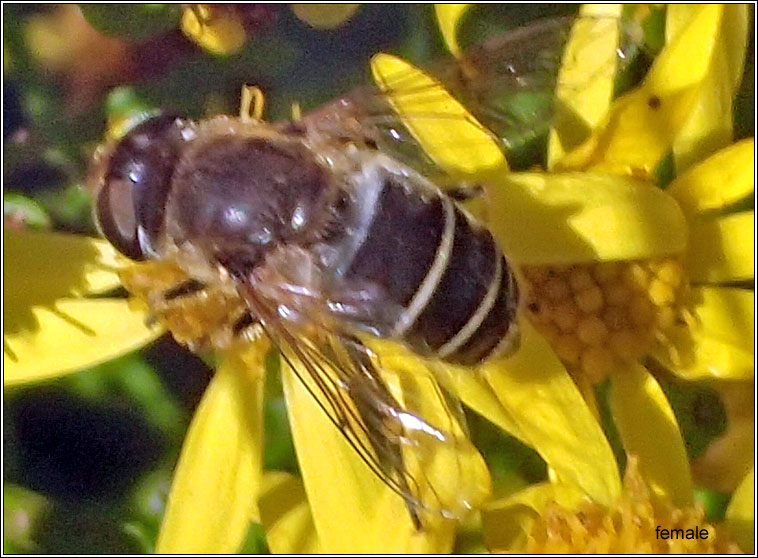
465	191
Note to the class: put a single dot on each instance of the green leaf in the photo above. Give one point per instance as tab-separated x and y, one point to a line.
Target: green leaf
133	22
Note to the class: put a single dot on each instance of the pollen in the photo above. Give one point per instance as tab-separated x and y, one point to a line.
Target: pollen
592	330
589	300
569	348
598	315
606	272
580	280
627	527
661	293
565	316
556	288
200	320
596	362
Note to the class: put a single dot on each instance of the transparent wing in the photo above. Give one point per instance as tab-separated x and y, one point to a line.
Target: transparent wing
508	84
406	430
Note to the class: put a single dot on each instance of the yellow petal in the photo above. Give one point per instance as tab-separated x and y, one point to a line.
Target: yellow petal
448	18
469	386
740	515
448	133
219	31
353	510
72	335
642	125
709	128
730	456
650	432
638	132
477	394
720	344
286	516
585	81
454	472
582	217
727	314
506	522
216	484
722	179
685	59
324	16
40	267
722	249
735	23
550	412
695	355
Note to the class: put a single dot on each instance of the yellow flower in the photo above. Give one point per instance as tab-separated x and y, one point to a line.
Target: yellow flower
62	41
218	29
578	233
339	505
324	16
55	320
636	523
554	519
681	307
223	29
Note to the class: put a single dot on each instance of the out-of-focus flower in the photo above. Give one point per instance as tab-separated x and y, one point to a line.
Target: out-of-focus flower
224	28
729	457
217	28
324	16
20	212
63	42
740	515
105	46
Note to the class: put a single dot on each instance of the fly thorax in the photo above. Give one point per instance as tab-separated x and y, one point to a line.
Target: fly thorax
237	198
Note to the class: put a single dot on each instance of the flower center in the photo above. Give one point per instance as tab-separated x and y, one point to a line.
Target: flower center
628	527
595	315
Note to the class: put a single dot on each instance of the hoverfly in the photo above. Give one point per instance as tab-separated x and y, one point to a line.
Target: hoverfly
322	231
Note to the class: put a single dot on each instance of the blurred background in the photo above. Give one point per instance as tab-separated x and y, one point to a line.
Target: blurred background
88	458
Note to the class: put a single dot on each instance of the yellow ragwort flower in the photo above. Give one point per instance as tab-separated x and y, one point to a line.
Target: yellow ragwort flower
218	29
593	219
608	258
636	524
224	28
672	306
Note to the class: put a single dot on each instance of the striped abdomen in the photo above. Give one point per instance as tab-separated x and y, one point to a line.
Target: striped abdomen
458	295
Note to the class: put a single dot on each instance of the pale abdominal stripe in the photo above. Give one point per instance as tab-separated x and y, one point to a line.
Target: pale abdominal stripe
457	297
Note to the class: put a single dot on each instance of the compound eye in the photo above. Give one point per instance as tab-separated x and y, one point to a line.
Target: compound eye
131	201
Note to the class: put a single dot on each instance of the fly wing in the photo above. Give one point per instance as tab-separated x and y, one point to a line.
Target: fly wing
508	84
405	429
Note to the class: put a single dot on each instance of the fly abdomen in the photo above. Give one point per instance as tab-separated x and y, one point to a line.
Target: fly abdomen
458	295
472	309
403	242
493	329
